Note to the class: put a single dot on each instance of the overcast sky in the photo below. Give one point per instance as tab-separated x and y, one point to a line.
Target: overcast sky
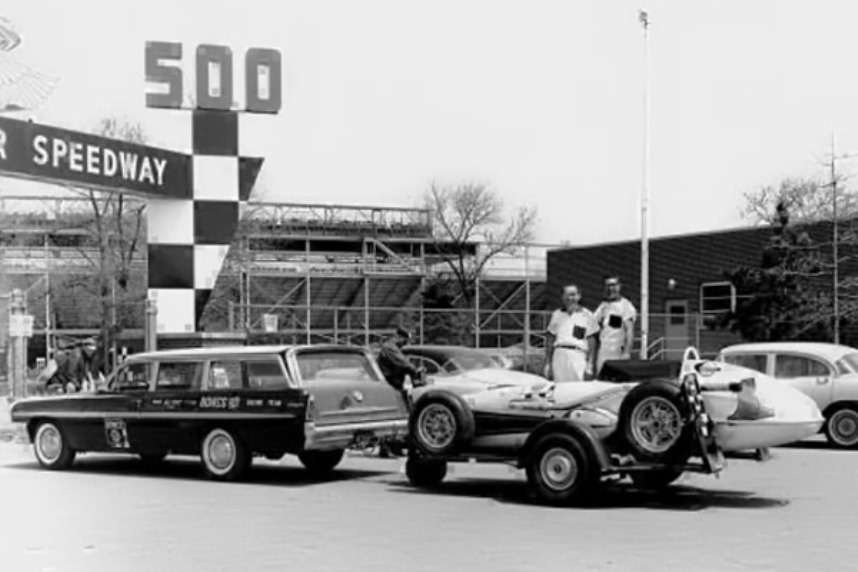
541	99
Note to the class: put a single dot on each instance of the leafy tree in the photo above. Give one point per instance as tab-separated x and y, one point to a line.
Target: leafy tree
783	298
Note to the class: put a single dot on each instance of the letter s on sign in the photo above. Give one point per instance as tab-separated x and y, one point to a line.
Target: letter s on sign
156	72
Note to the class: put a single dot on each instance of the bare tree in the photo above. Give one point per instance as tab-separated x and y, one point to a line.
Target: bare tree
807	199
114	227
470	229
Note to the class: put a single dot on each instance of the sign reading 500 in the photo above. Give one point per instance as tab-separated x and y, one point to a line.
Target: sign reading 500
214	88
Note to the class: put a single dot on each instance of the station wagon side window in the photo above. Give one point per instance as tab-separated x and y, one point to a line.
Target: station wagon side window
756	362
335	366
133	377
225	374
266	373
789	367
179	375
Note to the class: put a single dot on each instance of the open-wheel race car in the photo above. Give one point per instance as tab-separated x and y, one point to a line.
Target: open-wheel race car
570	437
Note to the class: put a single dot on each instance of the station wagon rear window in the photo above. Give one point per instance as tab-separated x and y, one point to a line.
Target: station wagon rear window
335	365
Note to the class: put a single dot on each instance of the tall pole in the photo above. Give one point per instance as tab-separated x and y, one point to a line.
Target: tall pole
834	247
644	20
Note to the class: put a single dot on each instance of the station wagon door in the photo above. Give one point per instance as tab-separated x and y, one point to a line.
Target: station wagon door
169	416
346	387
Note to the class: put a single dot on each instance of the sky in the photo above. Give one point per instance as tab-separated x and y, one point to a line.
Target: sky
542	100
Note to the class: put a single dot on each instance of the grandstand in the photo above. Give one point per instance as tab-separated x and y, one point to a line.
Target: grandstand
334	273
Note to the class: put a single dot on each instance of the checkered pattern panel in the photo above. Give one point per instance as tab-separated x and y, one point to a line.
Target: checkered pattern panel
189	240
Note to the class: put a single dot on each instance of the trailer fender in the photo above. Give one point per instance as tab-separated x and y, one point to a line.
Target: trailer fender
582	433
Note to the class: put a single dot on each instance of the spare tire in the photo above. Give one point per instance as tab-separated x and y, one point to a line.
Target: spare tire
653	423
441	423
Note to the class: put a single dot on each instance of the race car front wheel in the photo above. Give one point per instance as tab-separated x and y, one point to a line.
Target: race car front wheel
51	448
320	463
441	423
841	428
224	456
560	471
653	423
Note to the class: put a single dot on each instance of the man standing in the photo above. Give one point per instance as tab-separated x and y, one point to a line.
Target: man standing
570	341
393	363
615	317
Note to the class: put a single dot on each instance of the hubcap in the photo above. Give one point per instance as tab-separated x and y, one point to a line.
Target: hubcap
844	427
50	443
656	424
437	425
221	452
559	469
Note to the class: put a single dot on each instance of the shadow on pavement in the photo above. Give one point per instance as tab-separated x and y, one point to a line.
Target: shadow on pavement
189	468
615	495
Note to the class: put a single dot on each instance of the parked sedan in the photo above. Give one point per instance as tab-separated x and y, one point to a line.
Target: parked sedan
828	373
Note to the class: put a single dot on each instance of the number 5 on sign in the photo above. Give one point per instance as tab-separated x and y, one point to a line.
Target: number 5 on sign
214	90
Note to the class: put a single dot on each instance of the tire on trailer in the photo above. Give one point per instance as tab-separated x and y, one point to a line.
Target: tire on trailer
424	472
321	463
841	427
224	456
441	423
51	447
562	471
652	422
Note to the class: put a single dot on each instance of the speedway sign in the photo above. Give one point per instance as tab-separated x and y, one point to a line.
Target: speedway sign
31	150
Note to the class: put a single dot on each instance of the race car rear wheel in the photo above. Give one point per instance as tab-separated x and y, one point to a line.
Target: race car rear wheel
441	423
321	463
561	471
841	428
652	422
51	447
425	473
224	456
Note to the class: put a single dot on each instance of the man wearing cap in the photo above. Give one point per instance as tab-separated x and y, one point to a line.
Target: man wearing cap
393	363
570	340
616	320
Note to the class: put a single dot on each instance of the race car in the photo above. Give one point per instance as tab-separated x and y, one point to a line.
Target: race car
570	436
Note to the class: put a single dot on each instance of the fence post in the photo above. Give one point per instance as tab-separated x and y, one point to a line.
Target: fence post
18	350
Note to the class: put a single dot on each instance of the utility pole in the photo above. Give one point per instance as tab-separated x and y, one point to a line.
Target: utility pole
834	247
644	20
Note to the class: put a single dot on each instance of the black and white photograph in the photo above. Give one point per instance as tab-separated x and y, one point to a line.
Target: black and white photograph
382	285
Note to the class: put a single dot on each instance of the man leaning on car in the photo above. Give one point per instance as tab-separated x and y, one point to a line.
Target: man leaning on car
570	340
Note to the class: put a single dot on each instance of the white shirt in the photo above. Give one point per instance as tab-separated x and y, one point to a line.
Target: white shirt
572	330
611	317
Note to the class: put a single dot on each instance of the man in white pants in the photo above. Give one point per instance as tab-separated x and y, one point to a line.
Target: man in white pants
615	318
570	341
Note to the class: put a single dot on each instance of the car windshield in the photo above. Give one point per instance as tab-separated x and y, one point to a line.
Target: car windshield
848	363
468	362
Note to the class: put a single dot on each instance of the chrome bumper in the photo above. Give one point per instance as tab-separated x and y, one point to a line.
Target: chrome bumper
342	436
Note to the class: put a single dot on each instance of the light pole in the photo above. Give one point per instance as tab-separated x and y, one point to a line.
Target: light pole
644	20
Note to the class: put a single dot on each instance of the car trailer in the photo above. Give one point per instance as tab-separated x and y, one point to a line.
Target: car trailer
567	462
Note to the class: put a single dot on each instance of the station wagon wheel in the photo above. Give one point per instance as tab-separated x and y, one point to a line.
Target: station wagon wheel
841	429
51	447
560	470
441	423
224	456
653	424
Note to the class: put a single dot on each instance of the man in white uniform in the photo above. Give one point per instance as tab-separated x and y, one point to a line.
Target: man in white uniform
570	340
615	317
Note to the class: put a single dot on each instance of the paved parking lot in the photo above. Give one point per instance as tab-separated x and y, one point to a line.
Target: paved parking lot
795	512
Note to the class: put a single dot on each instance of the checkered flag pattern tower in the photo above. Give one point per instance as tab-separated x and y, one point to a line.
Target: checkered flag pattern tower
189	238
